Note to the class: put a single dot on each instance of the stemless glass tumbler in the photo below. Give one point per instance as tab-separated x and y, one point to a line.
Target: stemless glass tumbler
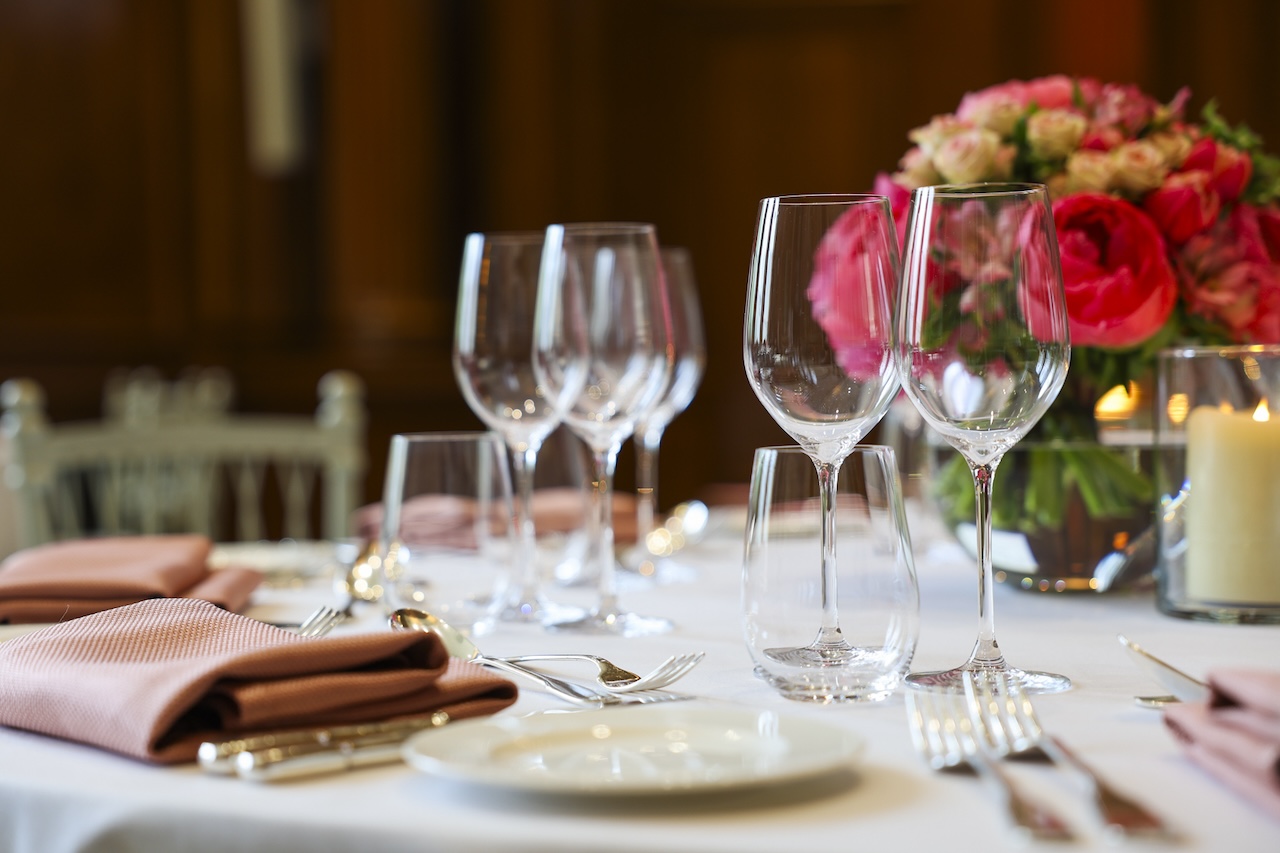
874	587
447	527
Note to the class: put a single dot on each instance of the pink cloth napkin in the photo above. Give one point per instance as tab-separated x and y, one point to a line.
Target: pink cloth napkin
64	580
1235	733
448	520
154	679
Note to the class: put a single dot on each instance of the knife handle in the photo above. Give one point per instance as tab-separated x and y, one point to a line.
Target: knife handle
311	759
220	758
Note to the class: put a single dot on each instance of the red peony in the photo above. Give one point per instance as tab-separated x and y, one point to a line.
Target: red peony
1119	284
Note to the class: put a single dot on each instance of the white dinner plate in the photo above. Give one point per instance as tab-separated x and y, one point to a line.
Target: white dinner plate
638	749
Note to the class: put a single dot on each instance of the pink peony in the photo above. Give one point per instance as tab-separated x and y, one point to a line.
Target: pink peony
1229	275
1120	287
855	273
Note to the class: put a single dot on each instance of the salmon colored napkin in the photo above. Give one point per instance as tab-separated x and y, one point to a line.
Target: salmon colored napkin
1235	733
153	680
64	580
448	520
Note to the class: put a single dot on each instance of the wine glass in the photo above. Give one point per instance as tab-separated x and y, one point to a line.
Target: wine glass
603	312
818	351
688	343
493	363
983	351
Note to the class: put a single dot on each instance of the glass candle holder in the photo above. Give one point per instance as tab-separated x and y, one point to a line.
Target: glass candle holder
1218	483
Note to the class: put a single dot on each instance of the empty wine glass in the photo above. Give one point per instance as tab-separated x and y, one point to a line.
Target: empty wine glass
603	312
688	343
817	349
982	349
493	363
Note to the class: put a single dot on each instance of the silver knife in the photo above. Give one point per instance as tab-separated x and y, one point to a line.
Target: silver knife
276	747
1174	680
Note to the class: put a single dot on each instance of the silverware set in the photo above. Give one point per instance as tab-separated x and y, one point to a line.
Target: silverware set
994	719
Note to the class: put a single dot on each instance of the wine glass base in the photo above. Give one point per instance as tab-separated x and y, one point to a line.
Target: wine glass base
1031	681
615	624
817	655
540	612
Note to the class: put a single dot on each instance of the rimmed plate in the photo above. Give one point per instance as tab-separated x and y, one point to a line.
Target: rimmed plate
641	749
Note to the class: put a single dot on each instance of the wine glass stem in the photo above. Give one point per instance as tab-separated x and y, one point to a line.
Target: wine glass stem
647	443
604	463
829	634
986	650
523	463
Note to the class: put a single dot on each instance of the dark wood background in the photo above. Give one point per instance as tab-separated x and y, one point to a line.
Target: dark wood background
134	228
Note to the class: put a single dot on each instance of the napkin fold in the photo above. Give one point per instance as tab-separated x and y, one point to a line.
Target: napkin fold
1235	733
155	679
65	580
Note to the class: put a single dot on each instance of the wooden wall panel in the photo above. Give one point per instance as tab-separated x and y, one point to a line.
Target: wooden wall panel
133	228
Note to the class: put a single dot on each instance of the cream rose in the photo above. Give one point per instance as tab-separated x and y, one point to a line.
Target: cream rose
1090	171
968	156
931	136
1174	147
1139	167
1053	134
915	169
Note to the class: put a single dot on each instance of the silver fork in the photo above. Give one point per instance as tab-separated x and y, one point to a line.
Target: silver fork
320	622
943	735
1007	719
619	680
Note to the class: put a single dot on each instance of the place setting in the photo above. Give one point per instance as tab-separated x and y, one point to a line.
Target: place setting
461	638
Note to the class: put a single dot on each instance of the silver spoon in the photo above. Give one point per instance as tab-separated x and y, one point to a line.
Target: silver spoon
458	645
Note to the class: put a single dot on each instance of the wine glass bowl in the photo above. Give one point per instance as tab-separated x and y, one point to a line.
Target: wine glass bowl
602	337
982	347
817	348
688	346
493	364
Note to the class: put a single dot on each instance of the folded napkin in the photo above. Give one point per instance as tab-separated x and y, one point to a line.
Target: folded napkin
64	580
448	520
1235	733
154	679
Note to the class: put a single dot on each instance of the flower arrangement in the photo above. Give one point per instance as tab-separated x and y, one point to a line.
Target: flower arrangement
1168	232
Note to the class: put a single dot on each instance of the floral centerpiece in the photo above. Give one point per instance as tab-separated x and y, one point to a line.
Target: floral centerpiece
1168	232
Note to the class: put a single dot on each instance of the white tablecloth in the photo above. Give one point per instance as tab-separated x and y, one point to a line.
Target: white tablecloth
57	796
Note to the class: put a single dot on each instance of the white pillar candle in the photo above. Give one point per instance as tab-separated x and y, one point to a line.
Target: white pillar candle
1233	512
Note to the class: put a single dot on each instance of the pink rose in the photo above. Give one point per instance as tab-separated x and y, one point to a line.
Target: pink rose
1059	91
855	274
1184	205
899	200
1120	287
1125	107
997	108
1245	296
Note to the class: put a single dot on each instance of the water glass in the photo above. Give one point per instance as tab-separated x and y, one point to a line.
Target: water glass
447	535
787	600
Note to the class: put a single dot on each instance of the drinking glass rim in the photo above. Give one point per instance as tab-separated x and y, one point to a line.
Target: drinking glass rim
983	189
459	435
1198	350
826	198
606	227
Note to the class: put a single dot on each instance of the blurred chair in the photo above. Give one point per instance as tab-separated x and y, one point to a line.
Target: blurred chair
162	462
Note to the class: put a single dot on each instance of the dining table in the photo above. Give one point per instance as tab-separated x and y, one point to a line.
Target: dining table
58	796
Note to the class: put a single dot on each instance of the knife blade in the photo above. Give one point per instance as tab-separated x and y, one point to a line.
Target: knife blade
1174	680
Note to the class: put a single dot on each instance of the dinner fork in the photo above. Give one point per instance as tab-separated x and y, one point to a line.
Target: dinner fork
619	680
323	620
943	735
1004	716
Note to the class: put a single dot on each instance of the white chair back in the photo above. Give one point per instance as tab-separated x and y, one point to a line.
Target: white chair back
155	465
